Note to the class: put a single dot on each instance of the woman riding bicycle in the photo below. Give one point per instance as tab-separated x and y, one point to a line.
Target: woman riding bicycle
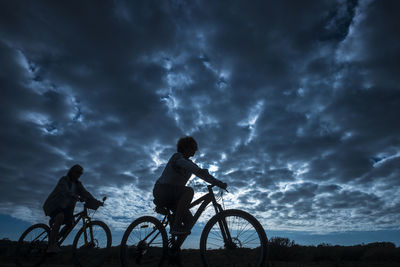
60	204
170	189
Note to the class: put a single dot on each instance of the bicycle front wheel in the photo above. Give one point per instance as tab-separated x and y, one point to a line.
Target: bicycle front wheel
144	243
233	238
91	245
32	246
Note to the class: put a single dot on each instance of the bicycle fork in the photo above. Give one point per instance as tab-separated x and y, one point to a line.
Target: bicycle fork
226	235
85	234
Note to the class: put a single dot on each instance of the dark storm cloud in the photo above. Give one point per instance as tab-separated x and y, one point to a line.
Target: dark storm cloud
295	105
350	199
65	69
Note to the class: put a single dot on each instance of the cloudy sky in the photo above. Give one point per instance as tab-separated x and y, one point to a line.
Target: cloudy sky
295	104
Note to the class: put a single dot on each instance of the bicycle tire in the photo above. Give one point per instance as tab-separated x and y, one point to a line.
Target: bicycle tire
94	252
32	246
243	228
137	251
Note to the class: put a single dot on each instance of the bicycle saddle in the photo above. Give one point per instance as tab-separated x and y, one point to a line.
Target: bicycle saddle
160	209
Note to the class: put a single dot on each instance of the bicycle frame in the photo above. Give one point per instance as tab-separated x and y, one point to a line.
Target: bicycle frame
203	201
83	215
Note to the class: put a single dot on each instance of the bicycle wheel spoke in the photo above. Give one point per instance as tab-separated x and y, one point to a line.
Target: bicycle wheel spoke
217	234
250	236
217	245
243	228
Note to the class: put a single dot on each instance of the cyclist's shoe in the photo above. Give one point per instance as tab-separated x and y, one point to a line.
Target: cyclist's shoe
179	231
52	249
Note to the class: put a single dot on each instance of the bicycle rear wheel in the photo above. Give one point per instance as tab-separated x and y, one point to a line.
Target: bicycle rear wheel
92	250
233	238
144	243
32	246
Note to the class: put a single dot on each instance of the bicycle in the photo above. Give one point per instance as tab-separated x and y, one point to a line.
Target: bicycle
90	247
232	237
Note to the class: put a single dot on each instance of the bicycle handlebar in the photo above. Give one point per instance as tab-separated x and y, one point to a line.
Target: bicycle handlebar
210	186
81	199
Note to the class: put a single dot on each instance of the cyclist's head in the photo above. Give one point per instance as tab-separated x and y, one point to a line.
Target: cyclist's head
75	171
187	146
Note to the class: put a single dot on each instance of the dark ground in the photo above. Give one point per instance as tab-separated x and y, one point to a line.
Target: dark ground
282	253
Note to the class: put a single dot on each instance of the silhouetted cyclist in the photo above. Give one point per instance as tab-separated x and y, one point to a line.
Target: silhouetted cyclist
60	204
170	190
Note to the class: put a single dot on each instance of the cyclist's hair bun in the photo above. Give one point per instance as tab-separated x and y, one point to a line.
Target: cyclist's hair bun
186	142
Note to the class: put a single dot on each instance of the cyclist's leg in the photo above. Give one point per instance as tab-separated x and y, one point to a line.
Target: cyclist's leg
69	216
177	199
185	195
188	219
165	196
160	194
58	218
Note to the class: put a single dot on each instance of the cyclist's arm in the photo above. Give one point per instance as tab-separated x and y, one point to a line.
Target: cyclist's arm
196	170
86	195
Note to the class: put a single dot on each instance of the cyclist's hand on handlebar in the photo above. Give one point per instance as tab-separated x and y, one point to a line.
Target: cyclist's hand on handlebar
100	203
222	185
